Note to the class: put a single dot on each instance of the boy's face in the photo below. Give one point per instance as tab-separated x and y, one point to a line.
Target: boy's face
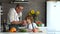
28	21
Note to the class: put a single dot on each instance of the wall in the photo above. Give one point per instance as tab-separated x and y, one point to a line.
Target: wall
33	4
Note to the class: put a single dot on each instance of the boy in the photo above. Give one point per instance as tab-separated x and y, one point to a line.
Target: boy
31	26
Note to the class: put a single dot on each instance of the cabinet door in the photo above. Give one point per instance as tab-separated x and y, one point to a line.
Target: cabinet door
0	18
53	16
1	13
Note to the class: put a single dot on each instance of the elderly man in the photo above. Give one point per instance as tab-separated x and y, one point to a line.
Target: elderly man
15	15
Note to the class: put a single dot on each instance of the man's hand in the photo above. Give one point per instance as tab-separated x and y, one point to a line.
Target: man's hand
16	22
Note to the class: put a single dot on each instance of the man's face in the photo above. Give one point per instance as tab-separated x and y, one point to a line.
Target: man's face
20	8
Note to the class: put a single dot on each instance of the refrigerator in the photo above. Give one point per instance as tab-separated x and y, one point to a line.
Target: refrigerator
53	17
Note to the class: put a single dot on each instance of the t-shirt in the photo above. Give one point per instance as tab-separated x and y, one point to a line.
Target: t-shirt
31	26
13	15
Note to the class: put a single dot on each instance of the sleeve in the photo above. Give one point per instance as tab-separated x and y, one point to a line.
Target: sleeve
35	26
11	15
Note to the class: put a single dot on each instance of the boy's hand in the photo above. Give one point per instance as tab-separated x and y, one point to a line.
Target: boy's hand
35	30
24	22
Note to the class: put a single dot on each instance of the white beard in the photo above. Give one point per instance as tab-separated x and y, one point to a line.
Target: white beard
20	14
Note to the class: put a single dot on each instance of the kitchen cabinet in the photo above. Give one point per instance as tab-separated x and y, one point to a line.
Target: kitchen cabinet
1	13
0	16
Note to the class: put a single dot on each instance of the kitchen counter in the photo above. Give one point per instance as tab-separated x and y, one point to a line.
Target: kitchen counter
43	29
22	33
